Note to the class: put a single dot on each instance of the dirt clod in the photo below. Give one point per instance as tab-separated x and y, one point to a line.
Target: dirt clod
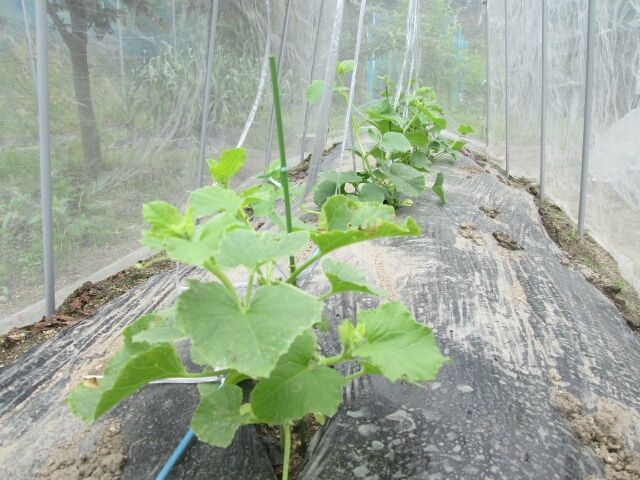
489	212
505	241
105	462
470	232
611	431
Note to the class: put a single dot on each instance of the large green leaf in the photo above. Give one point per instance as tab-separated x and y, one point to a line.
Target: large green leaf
395	142
135	365
418	139
218	415
159	328
344	221
345	278
407	180
205	242
214	199
370	192
250	248
228	165
397	345
297	386
323	191
252	339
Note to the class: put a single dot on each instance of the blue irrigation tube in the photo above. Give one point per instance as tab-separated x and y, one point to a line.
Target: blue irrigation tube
176	455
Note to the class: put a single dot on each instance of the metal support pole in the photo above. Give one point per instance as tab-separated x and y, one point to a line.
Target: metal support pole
174	40
588	107
121	51
543	101
45	157
207	91
283	42
506	86
487	72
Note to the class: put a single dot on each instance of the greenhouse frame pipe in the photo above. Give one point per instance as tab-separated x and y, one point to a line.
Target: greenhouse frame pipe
506	87
283	42
46	206
204	126
313	67
352	85
325	102
588	108
487	71
32	65
543	101
120	50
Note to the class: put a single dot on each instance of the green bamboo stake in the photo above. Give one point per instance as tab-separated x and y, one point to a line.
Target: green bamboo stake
284	177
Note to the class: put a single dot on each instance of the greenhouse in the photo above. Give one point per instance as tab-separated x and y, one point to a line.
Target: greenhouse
320	239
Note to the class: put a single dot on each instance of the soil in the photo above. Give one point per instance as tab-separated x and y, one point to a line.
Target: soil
489	212
270	436
611	431
505	241
470	232
583	252
103	462
82	303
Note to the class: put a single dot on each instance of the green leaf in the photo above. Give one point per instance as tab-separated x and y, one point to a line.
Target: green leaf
298	386
418	139
262	200
437	188
323	191
252	339
344	66
457	145
214	199
341	177
407	180
166	222
420	161
345	278
250	248
230	163
397	345
218	415
370	192
158	328
314	91
395	142
344	221
464	129
132	367
204	244
281	222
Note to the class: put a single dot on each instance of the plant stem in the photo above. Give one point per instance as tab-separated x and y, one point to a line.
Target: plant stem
215	270
287	451
329	361
353	376
247	296
303	267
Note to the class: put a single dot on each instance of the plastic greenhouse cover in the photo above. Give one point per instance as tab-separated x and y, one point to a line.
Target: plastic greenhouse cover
519	327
